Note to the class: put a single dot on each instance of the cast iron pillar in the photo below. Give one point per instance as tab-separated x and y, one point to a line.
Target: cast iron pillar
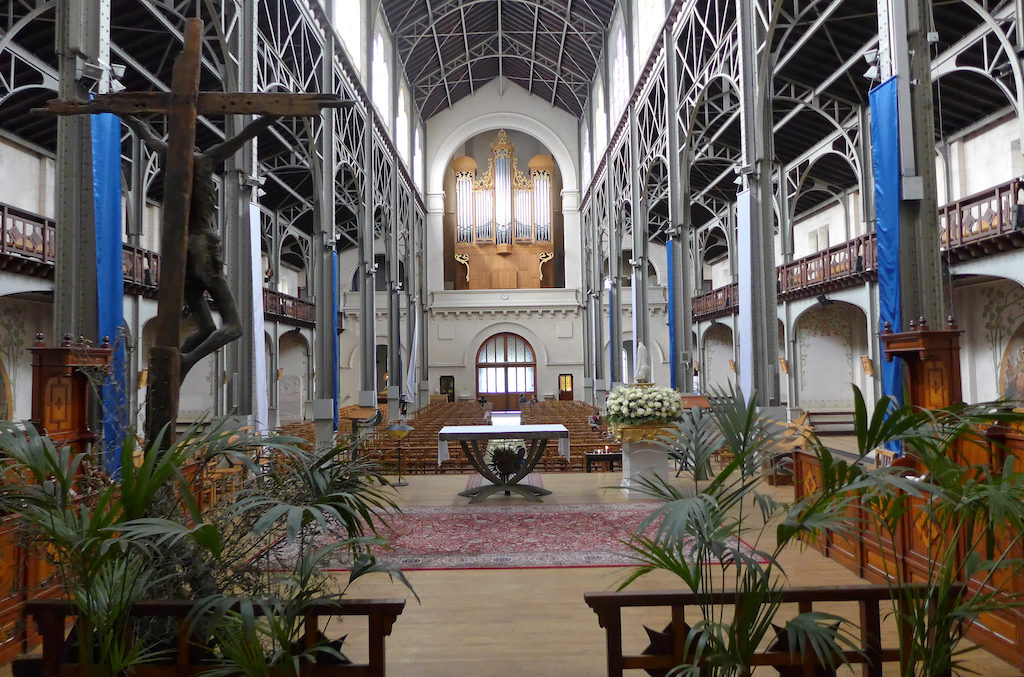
83	50
757	333
680	270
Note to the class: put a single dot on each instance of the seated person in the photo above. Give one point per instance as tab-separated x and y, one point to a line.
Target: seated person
595	421
523	400
533	400
482	400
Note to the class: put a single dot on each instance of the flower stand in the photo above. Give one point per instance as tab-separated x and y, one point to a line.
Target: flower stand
642	456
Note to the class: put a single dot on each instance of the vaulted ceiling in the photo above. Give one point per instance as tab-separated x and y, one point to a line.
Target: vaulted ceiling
451	48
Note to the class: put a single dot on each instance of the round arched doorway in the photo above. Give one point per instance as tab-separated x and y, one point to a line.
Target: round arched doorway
506	368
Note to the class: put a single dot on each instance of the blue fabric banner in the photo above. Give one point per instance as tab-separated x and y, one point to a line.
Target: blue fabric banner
106	187
672	316
334	335
885	160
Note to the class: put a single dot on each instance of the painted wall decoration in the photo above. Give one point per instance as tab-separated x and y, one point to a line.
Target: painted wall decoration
13	343
1011	368
718	351
825	336
6	394
1003	314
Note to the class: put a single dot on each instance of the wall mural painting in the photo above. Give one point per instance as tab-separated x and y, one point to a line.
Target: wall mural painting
1011	368
13	342
825	336
6	394
718	352
1003	312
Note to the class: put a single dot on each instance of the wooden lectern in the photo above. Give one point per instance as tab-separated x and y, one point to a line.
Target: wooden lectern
60	389
933	362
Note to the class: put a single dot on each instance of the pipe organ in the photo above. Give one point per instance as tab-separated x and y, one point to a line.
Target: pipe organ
504	220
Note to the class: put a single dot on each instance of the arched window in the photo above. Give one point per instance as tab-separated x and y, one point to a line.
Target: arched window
620	85
380	88
417	159
348	21
505	371
402	127
585	150
650	15
600	120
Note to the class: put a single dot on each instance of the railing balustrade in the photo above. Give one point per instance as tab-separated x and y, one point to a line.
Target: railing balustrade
277	304
990	213
27	235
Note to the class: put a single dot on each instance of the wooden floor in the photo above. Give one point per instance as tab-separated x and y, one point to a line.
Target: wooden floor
519	622
534	622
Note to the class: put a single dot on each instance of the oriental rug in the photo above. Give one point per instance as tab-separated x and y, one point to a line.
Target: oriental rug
489	536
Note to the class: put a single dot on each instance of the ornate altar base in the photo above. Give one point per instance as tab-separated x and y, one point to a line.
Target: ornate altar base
535	438
642	456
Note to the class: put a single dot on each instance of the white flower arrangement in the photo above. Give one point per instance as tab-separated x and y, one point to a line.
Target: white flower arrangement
643	403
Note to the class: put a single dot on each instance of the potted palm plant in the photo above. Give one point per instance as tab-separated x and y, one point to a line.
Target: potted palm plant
144	536
972	514
956	526
724	535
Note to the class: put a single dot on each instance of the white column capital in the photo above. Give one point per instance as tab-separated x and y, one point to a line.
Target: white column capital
435	203
570	201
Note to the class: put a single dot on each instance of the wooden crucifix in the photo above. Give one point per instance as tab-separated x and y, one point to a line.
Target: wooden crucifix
189	243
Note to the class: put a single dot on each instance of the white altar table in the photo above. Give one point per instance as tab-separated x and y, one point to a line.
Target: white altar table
536	438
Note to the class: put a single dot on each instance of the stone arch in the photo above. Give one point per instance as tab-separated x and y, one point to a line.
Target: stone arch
834	334
523	123
717	368
292	376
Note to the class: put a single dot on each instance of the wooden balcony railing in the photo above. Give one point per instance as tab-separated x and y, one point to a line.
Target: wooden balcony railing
847	262
716	303
27	244
289	309
981	223
975	226
141	270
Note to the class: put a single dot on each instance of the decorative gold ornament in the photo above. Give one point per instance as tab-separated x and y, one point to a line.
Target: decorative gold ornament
637	433
544	258
464	260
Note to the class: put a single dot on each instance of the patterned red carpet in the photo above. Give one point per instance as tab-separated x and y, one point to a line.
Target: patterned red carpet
494	536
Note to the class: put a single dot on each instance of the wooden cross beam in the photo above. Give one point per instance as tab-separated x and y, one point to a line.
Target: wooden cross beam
182	105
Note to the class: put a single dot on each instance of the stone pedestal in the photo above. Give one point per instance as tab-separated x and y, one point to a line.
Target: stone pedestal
641	456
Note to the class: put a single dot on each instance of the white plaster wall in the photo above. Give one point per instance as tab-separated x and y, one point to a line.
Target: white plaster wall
29	179
829	343
292	363
985	159
290	279
20	320
715	370
990	313
720	273
833	218
556	341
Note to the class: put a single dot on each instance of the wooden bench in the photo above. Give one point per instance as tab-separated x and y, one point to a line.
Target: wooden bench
52	615
825	422
870	653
